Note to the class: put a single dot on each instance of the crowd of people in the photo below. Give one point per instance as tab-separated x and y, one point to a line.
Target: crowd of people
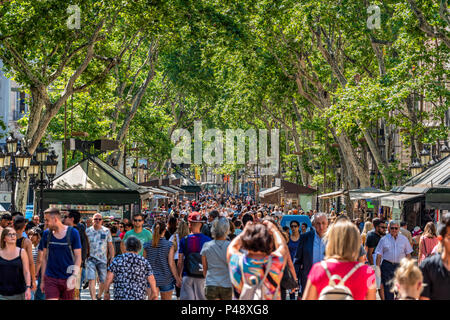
221	248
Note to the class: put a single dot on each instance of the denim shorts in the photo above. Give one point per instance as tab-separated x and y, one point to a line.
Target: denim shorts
166	288
94	266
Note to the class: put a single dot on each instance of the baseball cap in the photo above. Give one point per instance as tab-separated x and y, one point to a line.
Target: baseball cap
195	217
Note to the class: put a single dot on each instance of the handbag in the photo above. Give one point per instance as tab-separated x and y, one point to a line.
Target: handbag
288	282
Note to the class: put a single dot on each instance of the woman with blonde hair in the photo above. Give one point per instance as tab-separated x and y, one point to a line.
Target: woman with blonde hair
427	242
408	280
341	263
367	227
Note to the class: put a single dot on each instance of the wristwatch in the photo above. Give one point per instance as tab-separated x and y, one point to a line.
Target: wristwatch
28	287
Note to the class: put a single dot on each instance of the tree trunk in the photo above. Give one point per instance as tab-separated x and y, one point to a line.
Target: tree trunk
348	152
381	164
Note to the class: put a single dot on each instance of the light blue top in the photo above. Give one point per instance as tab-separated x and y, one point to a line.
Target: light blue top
318	248
393	250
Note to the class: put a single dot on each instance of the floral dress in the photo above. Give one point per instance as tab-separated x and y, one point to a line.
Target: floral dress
130	276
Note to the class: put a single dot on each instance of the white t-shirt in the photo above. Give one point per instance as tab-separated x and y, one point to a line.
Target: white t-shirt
178	244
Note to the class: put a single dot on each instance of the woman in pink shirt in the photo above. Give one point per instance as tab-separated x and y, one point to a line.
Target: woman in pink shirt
427	242
341	259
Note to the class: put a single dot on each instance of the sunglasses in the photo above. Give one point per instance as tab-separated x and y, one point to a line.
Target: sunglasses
137	220
98	219
394	228
383	227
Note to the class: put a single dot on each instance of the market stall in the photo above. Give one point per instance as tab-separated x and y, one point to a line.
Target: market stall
93	186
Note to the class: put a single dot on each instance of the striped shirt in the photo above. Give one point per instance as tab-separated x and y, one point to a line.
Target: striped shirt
159	260
35	251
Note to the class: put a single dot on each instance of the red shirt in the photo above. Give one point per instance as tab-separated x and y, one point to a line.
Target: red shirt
122	235
358	283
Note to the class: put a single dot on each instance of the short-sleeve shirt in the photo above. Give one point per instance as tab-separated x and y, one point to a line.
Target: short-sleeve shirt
393	250
192	243
257	267
372	240
159	260
436	278
59	255
359	282
98	243
130	276
217	274
143	236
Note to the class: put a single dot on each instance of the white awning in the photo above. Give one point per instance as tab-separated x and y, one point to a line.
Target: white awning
266	192
396	200
331	195
368	195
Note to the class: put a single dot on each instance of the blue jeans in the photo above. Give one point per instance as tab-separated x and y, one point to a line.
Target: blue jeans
38	295
83	277
166	288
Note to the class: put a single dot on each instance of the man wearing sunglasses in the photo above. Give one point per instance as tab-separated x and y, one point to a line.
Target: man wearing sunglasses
392	248
100	251
139	232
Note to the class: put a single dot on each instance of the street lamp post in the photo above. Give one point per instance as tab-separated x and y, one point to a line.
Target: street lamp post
42	171
14	164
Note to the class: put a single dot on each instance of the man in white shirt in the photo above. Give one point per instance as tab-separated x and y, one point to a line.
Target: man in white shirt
392	248
101	250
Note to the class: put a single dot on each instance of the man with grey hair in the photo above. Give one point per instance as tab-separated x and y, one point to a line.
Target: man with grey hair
391	248
214	260
311	248
206	228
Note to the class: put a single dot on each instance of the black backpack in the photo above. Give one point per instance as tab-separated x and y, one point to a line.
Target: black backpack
84	243
194	266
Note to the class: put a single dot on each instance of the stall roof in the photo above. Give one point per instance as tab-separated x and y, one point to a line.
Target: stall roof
436	176
438	198
331	195
169	189
92	181
396	200
176	188
357	194
290	187
367	195
94	174
266	192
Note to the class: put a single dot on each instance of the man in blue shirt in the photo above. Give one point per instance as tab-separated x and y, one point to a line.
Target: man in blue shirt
61	262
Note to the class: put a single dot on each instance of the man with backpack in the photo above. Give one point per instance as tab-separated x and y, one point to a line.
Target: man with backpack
190	260
72	219
61	252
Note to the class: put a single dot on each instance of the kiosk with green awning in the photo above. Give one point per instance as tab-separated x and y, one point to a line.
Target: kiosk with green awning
93	182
